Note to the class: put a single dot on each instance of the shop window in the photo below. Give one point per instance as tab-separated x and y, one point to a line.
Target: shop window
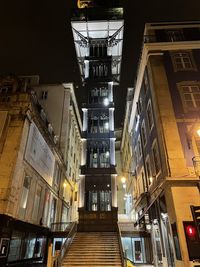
24	196
183	60
190	96
156	158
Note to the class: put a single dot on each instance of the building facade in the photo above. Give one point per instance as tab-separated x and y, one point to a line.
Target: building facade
163	130
98	36
36	191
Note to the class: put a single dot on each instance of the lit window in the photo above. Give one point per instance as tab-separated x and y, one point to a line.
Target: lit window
24	196
190	96
183	61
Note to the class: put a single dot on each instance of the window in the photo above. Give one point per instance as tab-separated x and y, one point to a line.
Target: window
148	170
143	133
139	105
37	202
24	196
175	35
183	61
46	209
145	83
93	124
150	116
56	174
156	158
44	95
99	155
190	96
103	123
139	149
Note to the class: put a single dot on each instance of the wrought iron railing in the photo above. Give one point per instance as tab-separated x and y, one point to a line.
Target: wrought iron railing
58	259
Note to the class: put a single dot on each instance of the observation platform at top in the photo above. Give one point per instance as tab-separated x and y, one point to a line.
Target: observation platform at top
97	13
98	27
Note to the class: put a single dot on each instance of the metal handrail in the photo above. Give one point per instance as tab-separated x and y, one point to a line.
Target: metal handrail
121	247
61	226
58	259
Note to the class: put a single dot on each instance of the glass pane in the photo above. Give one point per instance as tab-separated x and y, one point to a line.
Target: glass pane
126	241
138	250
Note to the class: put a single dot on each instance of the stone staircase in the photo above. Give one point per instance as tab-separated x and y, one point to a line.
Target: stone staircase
94	249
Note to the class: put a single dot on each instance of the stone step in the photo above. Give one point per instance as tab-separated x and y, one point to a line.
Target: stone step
94	249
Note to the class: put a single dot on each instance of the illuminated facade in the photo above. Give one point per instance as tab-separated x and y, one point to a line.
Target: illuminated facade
98	36
37	153
163	125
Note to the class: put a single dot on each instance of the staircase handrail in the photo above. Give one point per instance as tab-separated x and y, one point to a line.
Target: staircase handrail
121	246
58	259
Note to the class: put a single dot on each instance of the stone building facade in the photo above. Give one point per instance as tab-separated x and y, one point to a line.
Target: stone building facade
163	131
35	190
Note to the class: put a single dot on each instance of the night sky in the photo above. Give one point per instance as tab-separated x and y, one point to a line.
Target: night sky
36	38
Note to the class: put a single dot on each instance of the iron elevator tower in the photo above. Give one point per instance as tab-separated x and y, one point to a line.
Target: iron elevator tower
98	38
